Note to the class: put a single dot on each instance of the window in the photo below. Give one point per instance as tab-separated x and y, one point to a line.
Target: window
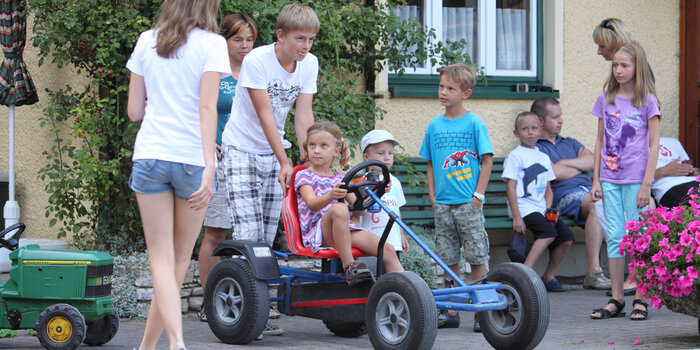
501	36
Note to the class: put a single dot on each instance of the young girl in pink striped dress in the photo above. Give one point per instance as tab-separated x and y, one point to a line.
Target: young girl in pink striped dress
325	222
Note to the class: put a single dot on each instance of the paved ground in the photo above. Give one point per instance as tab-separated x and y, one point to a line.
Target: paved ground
569	328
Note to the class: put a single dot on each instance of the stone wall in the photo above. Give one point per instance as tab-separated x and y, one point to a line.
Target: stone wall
191	296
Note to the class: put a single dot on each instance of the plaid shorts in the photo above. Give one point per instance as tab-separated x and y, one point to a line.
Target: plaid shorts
460	225
254	195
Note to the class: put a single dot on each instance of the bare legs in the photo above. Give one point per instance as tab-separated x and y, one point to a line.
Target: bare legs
170	229
555	256
593	232
212	237
336	233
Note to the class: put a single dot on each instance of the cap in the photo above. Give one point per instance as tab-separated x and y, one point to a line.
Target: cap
376	136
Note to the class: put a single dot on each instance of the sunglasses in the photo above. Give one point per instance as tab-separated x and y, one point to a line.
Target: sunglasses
607	25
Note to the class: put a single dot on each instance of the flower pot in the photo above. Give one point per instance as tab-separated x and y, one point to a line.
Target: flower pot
689	304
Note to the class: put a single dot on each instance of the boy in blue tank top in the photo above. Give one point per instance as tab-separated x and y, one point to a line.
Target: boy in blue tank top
459	154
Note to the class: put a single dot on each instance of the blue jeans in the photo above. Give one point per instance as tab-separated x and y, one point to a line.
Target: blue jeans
152	176
620	203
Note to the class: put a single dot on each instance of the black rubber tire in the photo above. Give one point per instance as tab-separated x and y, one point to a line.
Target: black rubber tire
523	324
60	327
400	313
347	330
236	303
100	332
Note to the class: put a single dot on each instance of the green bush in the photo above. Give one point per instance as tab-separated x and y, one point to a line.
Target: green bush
416	259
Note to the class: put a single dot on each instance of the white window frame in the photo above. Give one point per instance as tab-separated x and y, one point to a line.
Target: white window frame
486	38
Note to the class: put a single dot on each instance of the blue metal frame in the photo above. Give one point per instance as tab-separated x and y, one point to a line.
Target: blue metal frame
483	296
474	297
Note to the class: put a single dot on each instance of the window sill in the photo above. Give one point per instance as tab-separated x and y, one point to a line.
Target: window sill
498	88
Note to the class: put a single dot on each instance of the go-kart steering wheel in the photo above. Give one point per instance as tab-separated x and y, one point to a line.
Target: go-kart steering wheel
9	237
363	201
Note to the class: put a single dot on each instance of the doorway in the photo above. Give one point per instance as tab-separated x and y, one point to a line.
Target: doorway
689	89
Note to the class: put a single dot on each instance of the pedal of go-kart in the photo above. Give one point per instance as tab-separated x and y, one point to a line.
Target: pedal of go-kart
485	296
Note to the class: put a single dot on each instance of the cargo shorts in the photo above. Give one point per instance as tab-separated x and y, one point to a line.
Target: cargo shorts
457	226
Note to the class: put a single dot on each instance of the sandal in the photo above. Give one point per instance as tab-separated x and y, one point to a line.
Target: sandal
604	313
202	316
273	314
356	271
641	314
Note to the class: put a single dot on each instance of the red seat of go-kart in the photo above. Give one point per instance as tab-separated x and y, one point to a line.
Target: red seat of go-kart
290	217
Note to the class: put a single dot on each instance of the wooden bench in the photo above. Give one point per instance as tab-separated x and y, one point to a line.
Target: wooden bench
419	211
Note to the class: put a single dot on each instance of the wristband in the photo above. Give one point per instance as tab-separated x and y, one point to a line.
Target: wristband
479	196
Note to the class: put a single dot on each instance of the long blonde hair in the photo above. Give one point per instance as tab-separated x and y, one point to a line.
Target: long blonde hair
178	17
643	83
611	33
334	130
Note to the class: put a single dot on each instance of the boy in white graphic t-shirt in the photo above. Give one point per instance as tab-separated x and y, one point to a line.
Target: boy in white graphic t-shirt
379	145
527	173
273	79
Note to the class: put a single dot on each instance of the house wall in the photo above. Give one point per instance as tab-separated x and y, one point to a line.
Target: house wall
31	140
572	66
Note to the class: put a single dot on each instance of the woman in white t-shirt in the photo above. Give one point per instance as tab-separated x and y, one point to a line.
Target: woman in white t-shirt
175	72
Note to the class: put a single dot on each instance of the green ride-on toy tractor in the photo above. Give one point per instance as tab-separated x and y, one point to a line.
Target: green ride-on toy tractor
65	295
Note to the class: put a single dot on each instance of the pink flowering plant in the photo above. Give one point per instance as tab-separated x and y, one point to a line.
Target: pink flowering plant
664	247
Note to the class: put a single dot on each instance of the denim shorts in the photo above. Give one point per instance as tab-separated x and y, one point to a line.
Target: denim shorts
152	176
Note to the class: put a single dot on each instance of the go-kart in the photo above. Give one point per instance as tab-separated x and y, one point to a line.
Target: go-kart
397	310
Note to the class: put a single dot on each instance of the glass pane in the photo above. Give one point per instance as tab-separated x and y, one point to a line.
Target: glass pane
412	9
460	21
512	34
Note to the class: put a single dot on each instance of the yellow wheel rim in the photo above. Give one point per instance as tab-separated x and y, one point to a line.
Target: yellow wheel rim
59	329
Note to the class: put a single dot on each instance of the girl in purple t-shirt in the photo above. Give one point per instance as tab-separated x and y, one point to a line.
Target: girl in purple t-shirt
325	221
626	151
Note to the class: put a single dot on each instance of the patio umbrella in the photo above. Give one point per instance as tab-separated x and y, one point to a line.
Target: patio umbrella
16	87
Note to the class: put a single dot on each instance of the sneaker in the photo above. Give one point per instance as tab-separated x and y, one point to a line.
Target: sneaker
554	286
477	327
272	329
356	272
447	320
596	280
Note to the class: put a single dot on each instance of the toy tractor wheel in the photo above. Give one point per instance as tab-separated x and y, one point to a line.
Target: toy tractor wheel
102	331
236	303
523	323
401	313
60	326
346	330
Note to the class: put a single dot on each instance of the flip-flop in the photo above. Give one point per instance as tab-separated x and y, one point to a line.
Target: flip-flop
604	313
202	316
643	313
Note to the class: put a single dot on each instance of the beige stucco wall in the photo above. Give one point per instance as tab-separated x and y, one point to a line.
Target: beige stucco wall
582	76
31	141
